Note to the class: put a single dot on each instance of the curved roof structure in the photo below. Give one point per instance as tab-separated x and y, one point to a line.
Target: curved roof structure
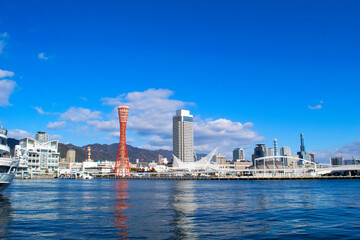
202	164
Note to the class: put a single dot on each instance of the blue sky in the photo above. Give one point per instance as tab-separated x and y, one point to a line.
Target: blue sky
249	71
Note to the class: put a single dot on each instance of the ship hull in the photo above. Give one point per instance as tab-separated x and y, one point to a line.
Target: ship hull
3	186
5	180
10	166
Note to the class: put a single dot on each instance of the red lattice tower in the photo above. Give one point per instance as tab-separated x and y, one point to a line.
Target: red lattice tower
122	166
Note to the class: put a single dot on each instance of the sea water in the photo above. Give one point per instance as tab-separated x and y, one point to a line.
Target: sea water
175	209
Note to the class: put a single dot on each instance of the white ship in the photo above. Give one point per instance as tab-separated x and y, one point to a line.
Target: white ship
8	165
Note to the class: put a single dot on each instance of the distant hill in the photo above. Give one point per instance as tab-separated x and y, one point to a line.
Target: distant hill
109	152
105	152
12	142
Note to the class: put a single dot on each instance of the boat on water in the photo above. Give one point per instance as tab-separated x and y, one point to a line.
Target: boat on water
8	165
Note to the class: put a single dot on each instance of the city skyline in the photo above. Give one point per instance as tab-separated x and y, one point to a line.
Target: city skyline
248	71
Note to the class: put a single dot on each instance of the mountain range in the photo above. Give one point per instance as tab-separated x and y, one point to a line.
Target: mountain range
105	152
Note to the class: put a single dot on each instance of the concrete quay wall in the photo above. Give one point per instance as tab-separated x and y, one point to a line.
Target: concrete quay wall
226	178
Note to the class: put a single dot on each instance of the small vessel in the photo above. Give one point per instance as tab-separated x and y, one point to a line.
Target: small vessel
86	175
8	165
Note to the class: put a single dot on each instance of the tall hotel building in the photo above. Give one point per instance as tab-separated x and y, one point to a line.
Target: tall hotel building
183	137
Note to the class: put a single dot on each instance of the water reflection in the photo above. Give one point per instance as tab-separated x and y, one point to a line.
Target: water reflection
5	215
184	205
121	204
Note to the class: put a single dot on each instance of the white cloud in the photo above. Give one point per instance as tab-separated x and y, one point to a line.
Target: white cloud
3	36
84	99
352	149
315	107
151	115
6	89
39	110
55	137
157	142
323	156
78	114
113	101
56	125
319	106
104	125
2	46
42	112
42	56
348	151
4	73
225	134
151	111
19	134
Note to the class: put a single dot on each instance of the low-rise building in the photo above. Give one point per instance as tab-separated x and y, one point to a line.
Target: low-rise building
219	159
242	164
336	161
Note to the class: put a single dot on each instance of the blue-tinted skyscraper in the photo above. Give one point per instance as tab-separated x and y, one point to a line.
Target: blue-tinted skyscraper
238	154
303	154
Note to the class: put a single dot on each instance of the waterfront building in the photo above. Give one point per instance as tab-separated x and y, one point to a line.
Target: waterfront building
105	167
275	147
242	164
312	157
291	162
98	167
336	161
160	157
143	166
163	161
238	154
70	156
285	151
195	156
352	161
259	151
205	163
270	152
38	154
183	138
303	154
219	159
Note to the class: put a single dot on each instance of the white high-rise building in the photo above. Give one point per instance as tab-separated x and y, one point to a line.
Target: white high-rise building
270	152
183	136
38	154
285	151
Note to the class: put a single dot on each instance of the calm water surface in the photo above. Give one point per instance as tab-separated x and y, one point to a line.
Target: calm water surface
156	209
